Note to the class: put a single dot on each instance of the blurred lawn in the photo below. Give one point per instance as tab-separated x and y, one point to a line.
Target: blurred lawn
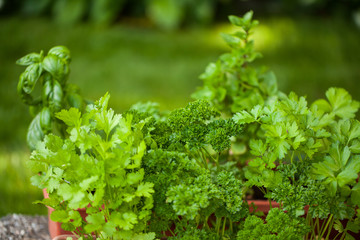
16	192
140	64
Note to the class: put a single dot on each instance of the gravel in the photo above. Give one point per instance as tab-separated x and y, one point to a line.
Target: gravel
24	227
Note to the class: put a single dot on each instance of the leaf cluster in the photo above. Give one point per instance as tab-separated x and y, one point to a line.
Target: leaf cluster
277	226
98	167
43	86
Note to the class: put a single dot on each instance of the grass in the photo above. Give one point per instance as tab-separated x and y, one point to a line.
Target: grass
140	64
16	192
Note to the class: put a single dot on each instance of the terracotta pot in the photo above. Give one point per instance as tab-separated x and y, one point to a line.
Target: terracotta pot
64	237
262	205
55	227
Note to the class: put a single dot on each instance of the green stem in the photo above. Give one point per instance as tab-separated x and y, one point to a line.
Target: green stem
204	159
169	229
337	235
207	152
317	225
224	225
330	228
206	222
323	229
313	227
343	236
193	156
308	220
218	224
270	205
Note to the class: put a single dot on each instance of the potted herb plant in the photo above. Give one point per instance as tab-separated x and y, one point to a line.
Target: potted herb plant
186	174
97	167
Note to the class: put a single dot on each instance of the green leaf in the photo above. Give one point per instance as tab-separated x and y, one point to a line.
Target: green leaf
30	77
355	130
135	177
350	173
52	95
235	20
107	121
322	105
86	183
45	119
338	226
210	71
96	219
355	194
30	59
243	117
144	236
61	52
257	147
125	220
341	103
59	216
109	228
145	189
71	117
56	66
35	133
231	40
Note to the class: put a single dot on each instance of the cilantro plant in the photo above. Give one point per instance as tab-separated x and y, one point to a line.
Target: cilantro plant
43	86
98	167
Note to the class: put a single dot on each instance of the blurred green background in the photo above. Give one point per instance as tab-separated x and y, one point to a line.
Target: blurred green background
154	50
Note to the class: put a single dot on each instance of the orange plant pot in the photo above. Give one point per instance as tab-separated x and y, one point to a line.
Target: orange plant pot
55	227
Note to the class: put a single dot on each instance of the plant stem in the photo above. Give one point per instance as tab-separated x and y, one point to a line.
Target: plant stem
337	235
270	205
317	225
218	224
206	222
204	159
169	229
330	228
224	225
323	229
343	236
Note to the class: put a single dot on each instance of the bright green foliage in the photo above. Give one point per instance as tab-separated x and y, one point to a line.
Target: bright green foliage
192	233
47	75
232	84
189	197
164	169
295	189
194	128
306	155
97	167
184	145
339	103
278	226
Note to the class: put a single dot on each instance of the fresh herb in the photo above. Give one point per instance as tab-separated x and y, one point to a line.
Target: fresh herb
98	167
187	173
46	76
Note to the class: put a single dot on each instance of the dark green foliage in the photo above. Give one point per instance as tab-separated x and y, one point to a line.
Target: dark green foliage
48	75
277	226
